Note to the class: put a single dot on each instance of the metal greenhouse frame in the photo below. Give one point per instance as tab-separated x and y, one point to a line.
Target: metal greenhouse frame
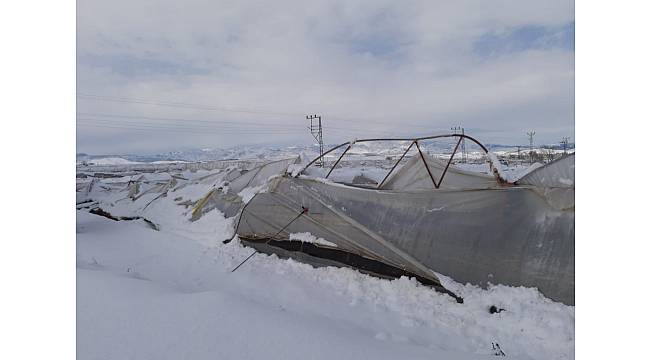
414	141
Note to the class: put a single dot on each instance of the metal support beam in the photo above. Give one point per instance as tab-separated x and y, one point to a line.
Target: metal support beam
449	162
435	185
316	159
337	161
394	166
414	141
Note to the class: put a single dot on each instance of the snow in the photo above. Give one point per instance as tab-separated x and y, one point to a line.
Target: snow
509	173
248	193
159	294
295	169
527	170
496	164
168	162
309	238
169	294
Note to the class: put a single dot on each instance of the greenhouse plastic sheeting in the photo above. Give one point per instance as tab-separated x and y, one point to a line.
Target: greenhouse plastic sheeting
227	199
555	182
507	235
414	176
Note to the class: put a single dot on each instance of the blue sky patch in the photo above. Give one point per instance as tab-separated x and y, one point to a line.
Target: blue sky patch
525	38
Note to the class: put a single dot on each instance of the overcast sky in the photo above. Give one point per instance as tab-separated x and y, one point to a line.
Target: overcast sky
160	75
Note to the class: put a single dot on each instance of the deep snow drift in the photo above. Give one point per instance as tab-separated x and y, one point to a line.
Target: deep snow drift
170	294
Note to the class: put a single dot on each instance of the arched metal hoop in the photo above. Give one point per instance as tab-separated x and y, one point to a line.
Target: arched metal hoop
414	141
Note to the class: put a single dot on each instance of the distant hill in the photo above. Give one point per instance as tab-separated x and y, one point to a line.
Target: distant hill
279	152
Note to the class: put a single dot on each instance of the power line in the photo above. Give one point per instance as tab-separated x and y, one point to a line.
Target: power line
347	130
147	128
176	131
180	105
350	130
217	122
176	119
101	123
191	125
183	126
390	122
94	123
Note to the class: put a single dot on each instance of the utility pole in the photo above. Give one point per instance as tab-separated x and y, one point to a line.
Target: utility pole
316	129
456	129
530	139
463	147
565	143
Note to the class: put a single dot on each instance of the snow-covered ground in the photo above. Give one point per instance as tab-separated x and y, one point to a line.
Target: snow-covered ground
170	294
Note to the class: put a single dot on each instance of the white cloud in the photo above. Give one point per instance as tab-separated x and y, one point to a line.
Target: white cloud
394	64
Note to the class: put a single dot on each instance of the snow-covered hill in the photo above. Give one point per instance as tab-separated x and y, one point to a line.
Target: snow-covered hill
385	148
111	161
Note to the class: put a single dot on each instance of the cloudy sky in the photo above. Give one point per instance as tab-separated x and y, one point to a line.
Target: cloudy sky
160	75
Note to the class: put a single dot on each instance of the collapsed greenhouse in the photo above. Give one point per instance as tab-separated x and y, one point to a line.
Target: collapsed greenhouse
426	216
